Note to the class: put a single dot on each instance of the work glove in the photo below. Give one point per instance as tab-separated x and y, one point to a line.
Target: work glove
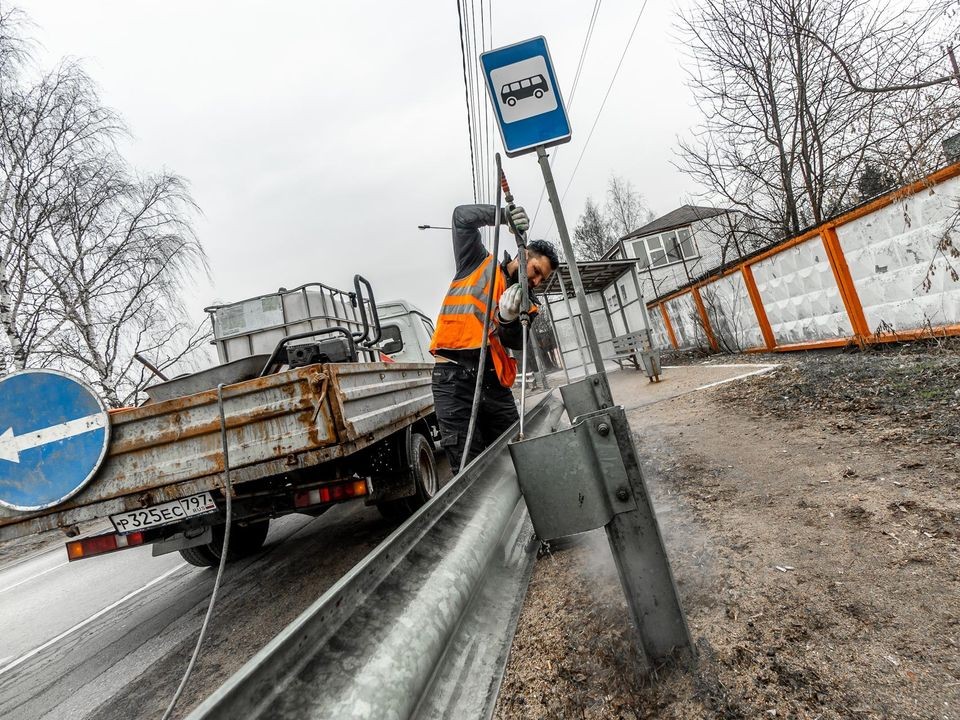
519	222
510	303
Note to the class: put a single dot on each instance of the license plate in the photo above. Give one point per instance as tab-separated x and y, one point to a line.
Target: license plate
164	514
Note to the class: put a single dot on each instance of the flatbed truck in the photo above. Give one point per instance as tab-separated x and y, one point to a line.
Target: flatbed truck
327	416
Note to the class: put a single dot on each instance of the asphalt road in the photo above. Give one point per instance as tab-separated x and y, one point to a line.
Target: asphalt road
109	637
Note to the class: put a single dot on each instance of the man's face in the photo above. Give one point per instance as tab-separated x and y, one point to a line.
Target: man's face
538	269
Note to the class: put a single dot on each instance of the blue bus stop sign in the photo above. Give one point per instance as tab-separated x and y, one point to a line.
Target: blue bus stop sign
525	96
54	433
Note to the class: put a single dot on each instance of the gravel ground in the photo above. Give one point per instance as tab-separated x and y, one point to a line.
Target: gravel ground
812	518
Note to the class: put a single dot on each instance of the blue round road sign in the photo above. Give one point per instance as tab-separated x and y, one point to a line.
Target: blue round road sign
54	433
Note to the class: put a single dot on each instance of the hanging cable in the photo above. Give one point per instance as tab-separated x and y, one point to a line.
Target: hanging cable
466	94
470	34
224	551
606	95
602	104
573	91
484	339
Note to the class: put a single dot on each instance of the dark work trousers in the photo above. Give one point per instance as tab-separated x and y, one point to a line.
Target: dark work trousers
453	388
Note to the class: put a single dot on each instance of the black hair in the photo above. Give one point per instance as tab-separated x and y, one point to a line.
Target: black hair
547	250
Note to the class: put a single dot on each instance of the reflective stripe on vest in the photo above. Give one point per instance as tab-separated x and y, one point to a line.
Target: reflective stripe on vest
460	325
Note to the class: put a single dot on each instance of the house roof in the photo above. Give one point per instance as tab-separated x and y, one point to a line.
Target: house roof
683	215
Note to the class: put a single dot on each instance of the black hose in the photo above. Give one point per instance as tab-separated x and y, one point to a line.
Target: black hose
478	389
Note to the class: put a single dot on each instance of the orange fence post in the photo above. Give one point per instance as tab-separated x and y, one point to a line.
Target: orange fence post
848	292
698	301
768	339
668	325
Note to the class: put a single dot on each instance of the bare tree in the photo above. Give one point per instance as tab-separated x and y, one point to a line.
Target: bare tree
625	208
591	236
786	137
92	259
116	264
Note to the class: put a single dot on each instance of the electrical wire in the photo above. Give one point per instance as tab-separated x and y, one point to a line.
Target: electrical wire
604	102
471	36
572	94
224	550
466	94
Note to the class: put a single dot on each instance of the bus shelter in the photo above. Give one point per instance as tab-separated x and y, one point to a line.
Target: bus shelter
616	305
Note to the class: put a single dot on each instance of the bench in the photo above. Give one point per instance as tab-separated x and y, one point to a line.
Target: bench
636	348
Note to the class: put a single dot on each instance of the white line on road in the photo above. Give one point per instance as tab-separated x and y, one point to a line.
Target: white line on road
33	577
764	369
83	623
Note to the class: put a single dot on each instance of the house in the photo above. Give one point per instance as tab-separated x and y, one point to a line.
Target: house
680	246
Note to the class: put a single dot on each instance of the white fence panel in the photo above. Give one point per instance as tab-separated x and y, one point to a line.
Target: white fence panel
800	295
682	312
890	252
731	314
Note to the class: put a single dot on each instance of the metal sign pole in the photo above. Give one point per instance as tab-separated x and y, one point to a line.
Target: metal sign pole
571	263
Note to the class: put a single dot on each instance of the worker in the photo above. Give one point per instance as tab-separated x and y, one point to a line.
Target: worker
456	341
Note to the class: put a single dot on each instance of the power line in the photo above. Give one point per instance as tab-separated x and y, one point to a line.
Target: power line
604	102
471	68
466	94
573	90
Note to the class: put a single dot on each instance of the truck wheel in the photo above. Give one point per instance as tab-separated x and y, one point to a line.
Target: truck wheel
423	466
245	540
423	469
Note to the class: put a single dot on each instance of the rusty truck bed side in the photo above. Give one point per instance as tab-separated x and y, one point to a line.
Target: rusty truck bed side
278	423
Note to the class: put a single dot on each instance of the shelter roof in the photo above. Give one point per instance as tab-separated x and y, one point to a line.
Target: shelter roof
596	275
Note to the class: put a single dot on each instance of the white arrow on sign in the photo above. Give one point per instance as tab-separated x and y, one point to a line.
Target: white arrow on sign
12	445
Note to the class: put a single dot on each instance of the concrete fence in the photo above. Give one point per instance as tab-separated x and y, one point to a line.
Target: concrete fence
885	271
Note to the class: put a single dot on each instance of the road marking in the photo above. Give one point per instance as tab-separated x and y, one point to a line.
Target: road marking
34	577
83	623
714	365
761	371
12	445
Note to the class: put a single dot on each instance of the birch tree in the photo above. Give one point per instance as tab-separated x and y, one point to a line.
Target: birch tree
93	258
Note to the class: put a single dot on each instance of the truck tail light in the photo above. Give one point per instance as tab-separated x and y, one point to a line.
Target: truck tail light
100	544
335	492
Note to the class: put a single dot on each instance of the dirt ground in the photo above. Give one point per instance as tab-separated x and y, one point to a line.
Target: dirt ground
812	520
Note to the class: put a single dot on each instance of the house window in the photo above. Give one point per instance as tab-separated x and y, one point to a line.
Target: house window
664	249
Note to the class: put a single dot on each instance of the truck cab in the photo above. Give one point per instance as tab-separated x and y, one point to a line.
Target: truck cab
405	332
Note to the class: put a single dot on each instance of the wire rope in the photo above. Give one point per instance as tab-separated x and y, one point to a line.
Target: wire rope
466	95
573	90
604	101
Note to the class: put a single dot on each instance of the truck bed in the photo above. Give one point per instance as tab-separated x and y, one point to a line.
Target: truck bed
275	424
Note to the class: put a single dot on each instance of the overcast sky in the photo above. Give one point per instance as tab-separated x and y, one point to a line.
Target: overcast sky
317	136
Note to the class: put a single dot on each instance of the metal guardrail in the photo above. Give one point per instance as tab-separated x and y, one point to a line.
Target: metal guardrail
422	627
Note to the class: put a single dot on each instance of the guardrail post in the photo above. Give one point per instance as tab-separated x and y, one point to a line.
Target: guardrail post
768	338
588	476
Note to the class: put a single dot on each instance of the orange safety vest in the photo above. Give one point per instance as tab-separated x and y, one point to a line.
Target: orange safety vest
460	325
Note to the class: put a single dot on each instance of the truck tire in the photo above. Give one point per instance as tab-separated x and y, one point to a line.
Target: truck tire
245	540
423	469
